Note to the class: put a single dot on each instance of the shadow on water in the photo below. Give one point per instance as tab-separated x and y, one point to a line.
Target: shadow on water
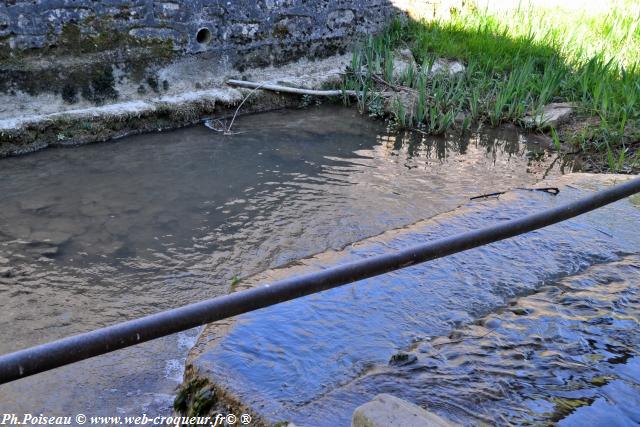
93	235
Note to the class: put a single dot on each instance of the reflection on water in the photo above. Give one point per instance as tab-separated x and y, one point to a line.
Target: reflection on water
94	235
571	343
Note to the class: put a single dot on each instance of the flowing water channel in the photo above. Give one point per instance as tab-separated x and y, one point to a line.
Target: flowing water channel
94	235
534	330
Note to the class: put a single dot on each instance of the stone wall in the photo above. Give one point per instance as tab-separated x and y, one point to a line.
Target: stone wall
78	71
192	26
53	35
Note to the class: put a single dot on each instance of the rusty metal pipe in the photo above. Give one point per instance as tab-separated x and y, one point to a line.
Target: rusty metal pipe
84	346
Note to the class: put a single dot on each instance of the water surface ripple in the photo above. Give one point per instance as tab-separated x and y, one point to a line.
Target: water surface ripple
538	328
93	235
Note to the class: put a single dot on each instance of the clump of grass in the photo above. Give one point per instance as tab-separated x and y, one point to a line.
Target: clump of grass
400	114
516	63
556	139
235	281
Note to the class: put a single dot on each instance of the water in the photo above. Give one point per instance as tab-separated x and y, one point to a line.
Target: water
567	353
536	329
95	235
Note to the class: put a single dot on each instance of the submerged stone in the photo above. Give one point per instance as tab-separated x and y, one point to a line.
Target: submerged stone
401	359
387	410
50	237
6	272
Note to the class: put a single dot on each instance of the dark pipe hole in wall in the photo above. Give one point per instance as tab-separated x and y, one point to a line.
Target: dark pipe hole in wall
203	36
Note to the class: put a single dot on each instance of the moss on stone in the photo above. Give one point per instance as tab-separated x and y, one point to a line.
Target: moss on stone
79	62
280	31
565	406
600	381
100	86
103	37
195	398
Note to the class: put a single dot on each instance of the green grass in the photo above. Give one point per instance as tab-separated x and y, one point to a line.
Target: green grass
517	62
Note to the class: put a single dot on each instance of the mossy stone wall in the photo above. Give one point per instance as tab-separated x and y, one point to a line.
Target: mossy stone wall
73	47
188	25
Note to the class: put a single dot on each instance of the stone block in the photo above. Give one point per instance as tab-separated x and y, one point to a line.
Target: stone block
387	410
551	116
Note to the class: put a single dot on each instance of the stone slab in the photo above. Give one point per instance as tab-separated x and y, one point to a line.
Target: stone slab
306	357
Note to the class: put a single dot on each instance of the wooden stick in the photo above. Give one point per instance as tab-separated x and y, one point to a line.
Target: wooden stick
287	89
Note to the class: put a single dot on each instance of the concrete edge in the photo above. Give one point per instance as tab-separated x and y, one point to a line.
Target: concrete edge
28	133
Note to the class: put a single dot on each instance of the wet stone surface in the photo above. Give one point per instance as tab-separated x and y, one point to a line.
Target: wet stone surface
535	329
567	353
94	235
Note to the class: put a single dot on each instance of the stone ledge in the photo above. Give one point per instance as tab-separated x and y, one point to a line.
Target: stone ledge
239	392
40	122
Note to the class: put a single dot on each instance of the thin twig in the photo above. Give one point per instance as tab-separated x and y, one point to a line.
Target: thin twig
380	80
278	88
554	191
228	131
484	196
